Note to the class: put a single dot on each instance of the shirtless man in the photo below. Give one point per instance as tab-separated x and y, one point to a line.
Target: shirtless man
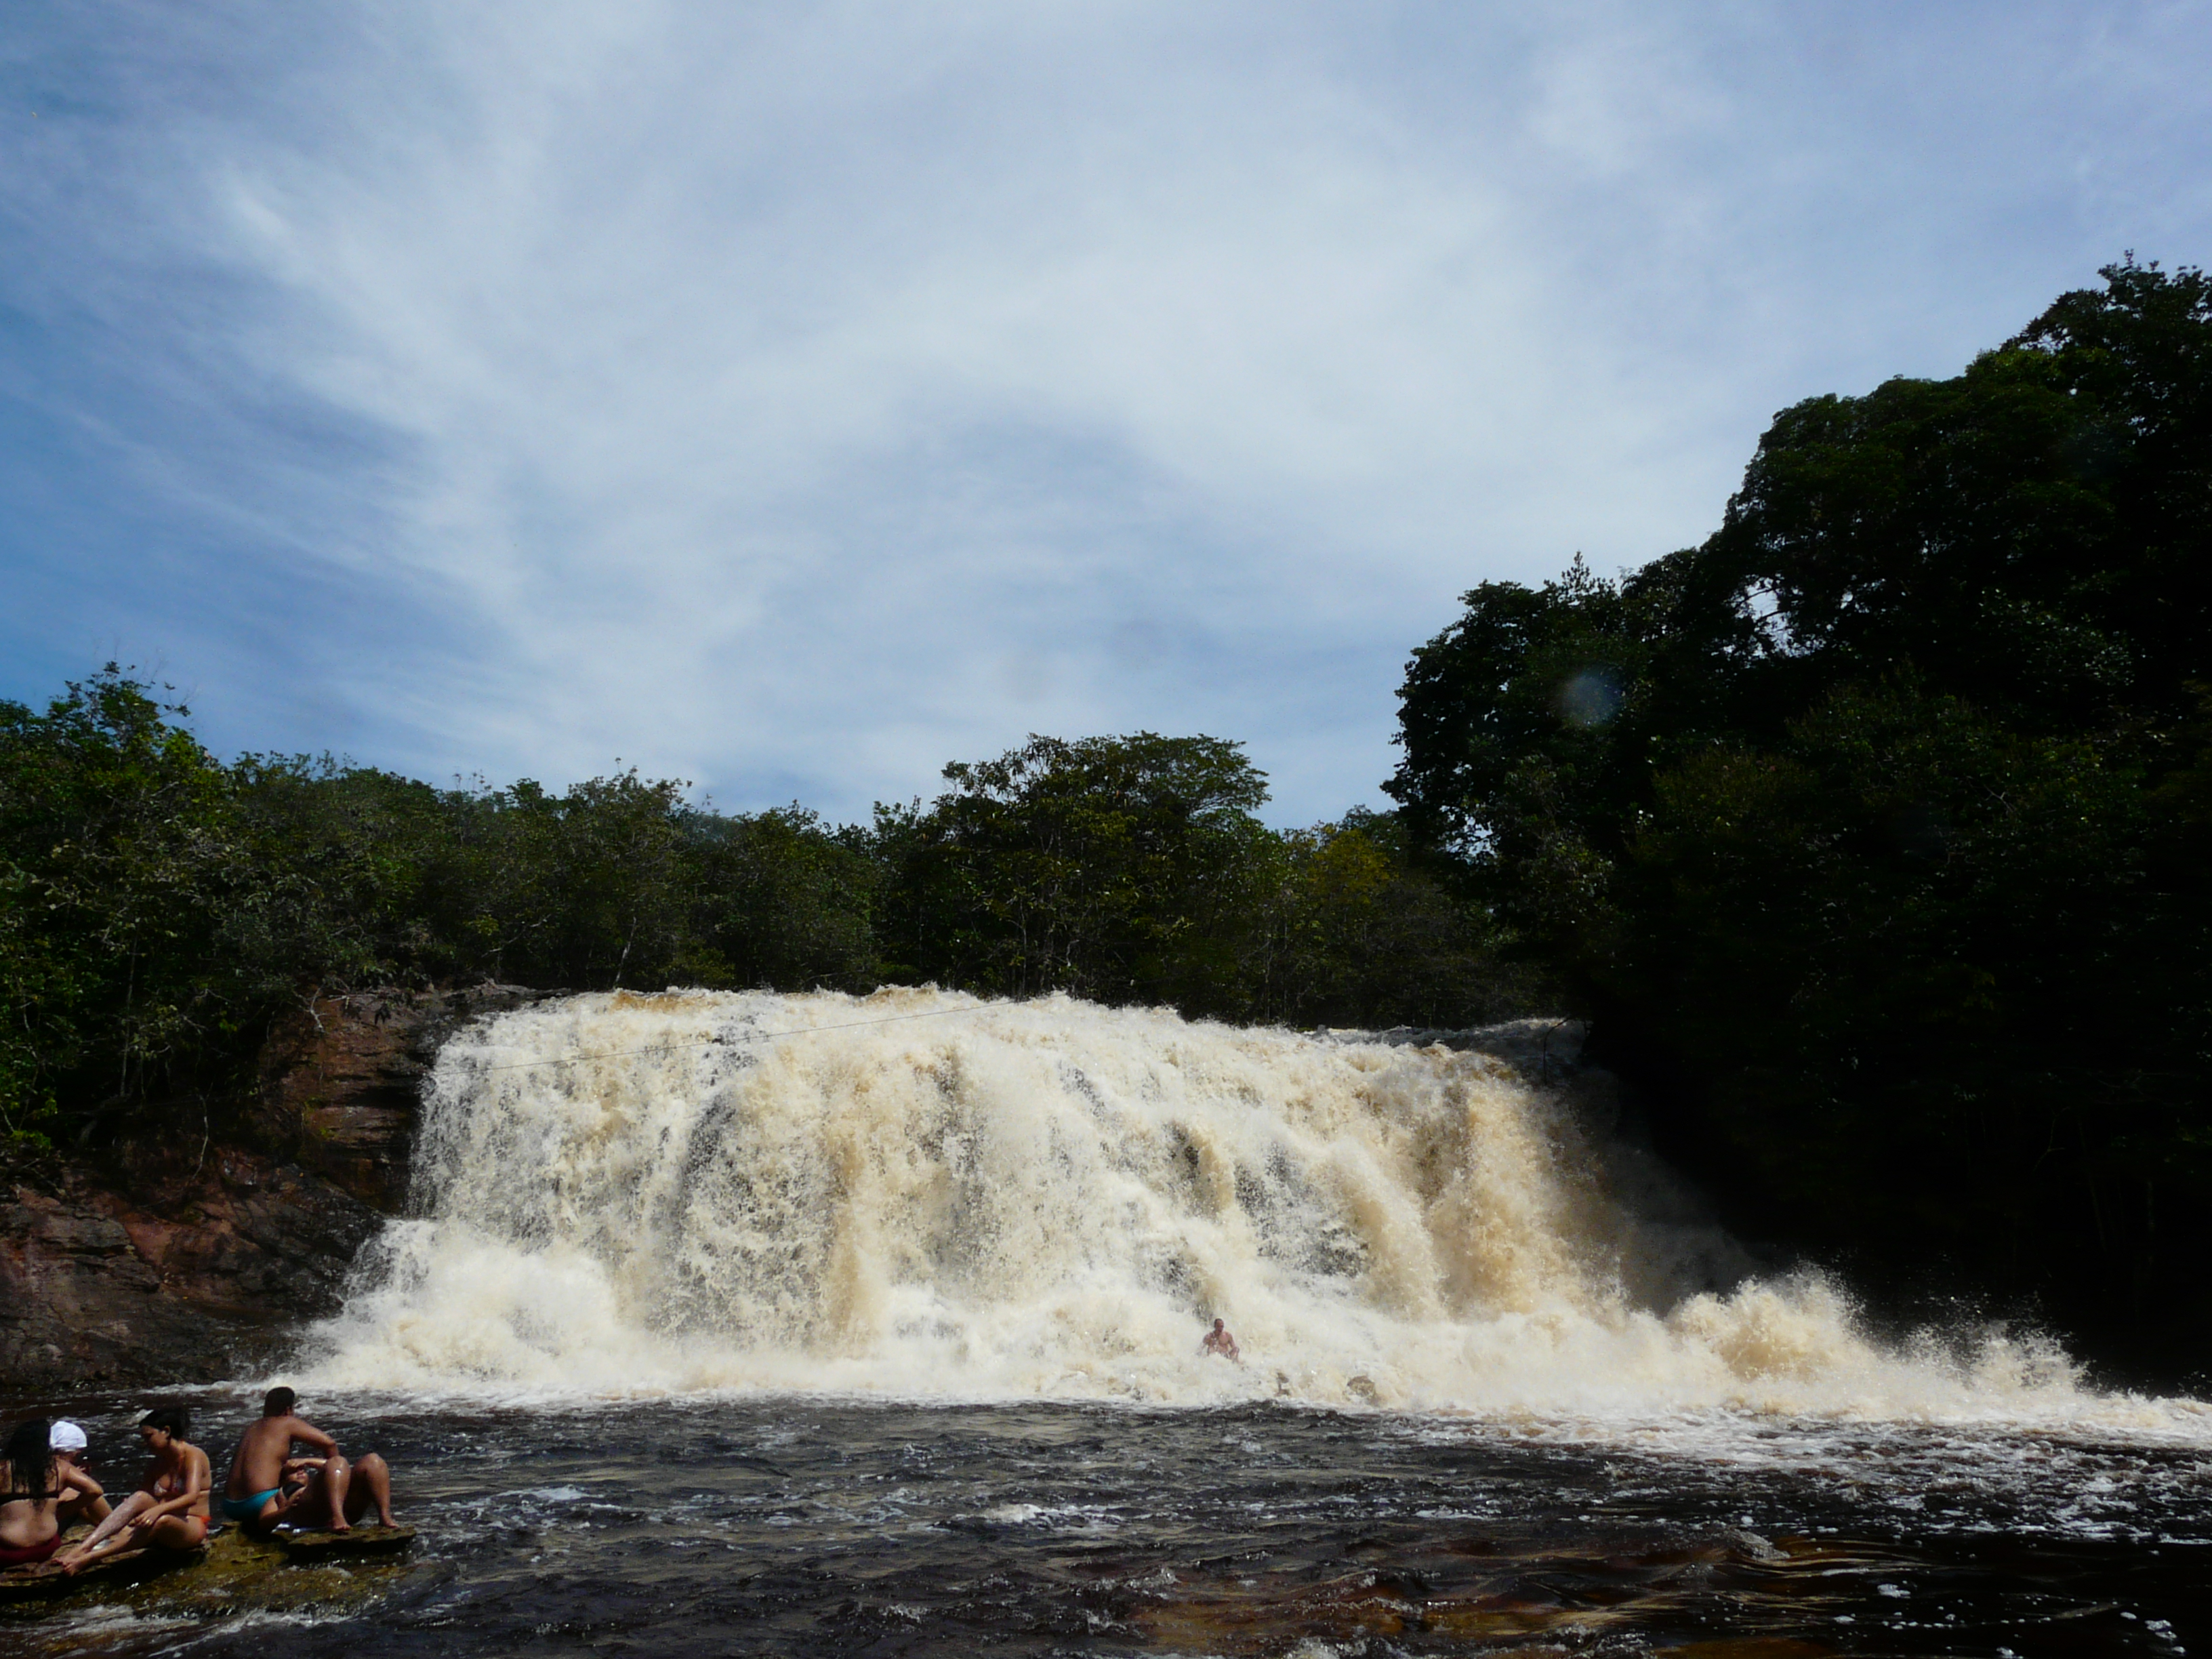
1218	1341
268	1485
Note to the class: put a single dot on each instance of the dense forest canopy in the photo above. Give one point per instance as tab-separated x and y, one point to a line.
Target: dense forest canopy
159	906
1872	833
1875	830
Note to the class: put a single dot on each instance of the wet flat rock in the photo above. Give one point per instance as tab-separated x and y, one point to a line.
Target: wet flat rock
355	1540
44	1578
235	1572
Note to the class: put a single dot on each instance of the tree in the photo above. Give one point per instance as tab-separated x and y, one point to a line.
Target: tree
1357	933
1109	868
788	903
1860	827
116	863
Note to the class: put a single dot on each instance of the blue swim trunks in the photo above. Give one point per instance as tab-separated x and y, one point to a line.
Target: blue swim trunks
247	1508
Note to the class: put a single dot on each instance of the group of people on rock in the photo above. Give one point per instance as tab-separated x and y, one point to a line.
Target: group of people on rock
46	1488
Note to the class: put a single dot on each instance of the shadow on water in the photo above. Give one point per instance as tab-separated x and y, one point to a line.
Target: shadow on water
802	1526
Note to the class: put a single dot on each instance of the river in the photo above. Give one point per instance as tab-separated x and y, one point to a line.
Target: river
818	1325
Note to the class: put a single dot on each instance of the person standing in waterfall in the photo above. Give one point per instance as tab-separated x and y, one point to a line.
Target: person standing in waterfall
1218	1340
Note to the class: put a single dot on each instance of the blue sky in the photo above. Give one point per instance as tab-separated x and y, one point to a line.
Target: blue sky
795	398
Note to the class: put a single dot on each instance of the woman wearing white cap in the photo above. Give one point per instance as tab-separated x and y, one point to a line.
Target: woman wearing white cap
87	1502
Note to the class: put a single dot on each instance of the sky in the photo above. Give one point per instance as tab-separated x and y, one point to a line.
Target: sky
794	398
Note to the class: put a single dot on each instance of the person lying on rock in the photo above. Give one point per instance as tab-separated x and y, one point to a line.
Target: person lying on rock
268	1485
170	1508
34	1483
87	1507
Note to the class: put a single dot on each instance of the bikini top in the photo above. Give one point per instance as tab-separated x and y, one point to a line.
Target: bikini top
21	1497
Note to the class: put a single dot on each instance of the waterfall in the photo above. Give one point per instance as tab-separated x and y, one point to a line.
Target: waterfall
924	1194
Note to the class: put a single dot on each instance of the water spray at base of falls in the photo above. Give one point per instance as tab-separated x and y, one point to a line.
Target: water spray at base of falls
1052	1199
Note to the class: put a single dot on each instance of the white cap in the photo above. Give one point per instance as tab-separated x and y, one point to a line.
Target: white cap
66	1436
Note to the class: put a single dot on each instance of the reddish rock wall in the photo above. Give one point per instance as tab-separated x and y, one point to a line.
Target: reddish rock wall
171	1280
340	1081
164	1263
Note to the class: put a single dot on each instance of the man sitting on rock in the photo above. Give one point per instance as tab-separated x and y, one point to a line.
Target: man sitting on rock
268	1485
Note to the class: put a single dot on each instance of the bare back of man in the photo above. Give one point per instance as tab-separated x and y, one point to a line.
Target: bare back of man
267	1484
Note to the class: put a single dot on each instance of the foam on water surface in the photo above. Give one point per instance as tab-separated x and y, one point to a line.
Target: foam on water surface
922	1195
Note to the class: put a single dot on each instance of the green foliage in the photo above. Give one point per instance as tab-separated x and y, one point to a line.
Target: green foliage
1872	830
1111	868
786	901
116	858
1135	869
158	908
1357	933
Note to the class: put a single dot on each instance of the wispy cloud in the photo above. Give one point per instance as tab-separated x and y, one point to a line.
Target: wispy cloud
794	397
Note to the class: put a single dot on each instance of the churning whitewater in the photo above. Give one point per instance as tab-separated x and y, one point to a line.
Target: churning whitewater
926	1195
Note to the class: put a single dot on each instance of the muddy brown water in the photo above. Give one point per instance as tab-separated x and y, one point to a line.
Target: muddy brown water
802	1526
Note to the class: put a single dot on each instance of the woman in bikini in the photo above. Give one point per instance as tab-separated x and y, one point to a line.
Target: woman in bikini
170	1507
33	1483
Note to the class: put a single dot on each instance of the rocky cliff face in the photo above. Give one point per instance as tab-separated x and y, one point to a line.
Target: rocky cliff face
180	1277
189	1262
340	1081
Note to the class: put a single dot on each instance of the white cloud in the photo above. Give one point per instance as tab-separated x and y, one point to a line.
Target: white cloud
797	396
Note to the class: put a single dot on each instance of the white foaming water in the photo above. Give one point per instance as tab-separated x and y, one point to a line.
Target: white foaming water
991	1201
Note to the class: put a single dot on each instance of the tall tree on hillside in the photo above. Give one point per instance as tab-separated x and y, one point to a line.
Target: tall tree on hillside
1862	827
